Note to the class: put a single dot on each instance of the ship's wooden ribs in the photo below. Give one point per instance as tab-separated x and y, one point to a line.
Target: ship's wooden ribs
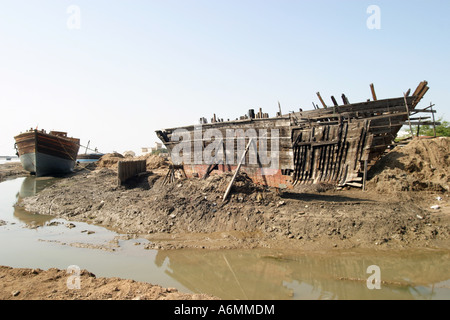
321	100
324	154
328	158
345	100
374	95
334	101
341	148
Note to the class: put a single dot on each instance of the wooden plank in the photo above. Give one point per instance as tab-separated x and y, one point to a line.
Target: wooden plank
334	101
237	170
345	100
428	123
419	88
364	176
374	96
321	100
128	169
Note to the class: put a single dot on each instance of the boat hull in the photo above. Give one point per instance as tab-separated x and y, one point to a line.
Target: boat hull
89	157
44	154
331	145
42	164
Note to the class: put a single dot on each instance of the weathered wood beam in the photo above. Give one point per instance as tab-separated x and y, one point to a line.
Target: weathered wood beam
334	101
227	192
420	88
374	96
407	110
428	123
345	100
321	100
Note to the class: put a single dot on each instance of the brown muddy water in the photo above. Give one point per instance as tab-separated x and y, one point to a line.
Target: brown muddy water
37	241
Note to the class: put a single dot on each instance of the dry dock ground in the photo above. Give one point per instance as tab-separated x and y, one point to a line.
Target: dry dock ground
395	212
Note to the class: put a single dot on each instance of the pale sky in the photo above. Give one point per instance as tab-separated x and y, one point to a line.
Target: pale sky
114	71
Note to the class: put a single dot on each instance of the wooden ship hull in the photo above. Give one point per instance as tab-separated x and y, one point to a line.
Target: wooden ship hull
89	157
44	154
334	144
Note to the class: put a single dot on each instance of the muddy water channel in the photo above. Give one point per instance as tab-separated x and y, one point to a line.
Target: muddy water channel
37	241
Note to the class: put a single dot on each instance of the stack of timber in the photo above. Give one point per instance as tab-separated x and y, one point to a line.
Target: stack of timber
129	169
334	144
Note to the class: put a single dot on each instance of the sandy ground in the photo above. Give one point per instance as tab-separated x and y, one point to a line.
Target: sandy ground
54	284
11	170
395	211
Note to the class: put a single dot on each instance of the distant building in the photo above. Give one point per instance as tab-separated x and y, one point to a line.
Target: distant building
147	150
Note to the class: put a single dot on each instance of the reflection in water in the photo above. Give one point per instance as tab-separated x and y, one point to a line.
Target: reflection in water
32	185
258	274
229	274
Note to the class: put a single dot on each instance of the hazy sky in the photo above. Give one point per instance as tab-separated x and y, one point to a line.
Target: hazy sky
114	71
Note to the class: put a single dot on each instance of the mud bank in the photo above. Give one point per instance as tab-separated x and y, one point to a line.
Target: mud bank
12	170
52	284
191	214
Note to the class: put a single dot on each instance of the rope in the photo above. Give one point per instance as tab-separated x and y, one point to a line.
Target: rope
75	160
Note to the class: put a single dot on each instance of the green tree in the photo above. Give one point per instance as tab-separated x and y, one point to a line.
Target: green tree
442	130
156	152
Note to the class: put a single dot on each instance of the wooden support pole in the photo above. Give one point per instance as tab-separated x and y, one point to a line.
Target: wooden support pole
418	127
374	95
225	196
365	176
409	119
434	122
321	100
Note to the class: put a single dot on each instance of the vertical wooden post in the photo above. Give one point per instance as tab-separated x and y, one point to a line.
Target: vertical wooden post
418	127
409	119
365	176
434	123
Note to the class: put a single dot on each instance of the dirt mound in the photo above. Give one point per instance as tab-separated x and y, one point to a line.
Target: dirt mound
52	284
423	164
11	170
190	213
110	160
154	162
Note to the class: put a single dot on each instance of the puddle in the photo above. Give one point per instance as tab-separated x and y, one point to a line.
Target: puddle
37	241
